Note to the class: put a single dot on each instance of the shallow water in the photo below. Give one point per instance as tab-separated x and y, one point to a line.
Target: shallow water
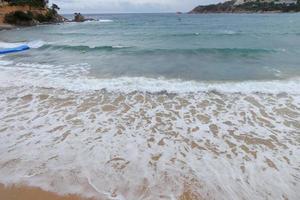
154	107
220	47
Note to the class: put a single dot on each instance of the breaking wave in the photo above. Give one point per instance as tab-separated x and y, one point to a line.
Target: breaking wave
77	78
32	44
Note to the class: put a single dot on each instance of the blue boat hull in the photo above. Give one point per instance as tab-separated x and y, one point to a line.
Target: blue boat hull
13	50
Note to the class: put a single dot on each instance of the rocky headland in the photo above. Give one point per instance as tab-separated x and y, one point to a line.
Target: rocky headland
22	13
249	6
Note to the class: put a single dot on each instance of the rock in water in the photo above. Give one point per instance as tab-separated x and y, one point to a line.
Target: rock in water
78	17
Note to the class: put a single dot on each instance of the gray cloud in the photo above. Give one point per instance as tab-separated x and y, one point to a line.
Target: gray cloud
117	6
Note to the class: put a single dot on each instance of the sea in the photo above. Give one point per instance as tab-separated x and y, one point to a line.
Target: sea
154	106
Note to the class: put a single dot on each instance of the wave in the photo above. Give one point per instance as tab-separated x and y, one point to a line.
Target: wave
76	34
32	44
141	51
217	33
181	35
130	84
99	20
84	47
244	51
75	78
105	20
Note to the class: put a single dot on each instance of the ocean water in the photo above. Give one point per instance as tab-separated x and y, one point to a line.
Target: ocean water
154	106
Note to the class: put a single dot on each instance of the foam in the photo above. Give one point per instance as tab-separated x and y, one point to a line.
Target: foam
36	44
150	146
32	44
76	78
142	138
5	62
105	20
98	21
9	45
228	32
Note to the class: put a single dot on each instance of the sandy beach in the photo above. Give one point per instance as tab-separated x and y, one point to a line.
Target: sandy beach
27	193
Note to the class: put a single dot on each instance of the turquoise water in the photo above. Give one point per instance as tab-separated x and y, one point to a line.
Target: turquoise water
222	47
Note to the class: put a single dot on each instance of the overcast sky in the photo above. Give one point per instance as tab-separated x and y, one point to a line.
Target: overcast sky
121	6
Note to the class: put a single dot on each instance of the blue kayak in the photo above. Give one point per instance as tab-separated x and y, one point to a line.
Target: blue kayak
16	49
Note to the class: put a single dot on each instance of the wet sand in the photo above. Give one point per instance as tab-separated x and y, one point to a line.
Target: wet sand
150	146
27	193
30	193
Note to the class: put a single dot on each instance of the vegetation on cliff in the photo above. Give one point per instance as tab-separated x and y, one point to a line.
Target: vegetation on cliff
248	7
34	3
32	12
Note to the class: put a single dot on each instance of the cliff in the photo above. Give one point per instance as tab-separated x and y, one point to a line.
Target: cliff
250	6
27	15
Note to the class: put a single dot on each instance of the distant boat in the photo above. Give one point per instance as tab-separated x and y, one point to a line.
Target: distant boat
178	13
15	49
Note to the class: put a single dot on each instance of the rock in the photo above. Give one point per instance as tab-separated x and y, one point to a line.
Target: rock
89	19
29	16
20	18
6	27
78	17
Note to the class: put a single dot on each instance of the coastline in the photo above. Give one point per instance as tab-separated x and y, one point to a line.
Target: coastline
38	15
247	7
240	12
93	111
20	192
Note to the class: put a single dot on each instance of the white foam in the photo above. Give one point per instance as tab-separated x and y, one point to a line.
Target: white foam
78	158
5	62
76	79
36	44
10	45
98	21
66	143
120	47
228	32
105	20
32	44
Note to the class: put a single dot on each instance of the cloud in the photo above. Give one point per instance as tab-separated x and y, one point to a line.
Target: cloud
117	6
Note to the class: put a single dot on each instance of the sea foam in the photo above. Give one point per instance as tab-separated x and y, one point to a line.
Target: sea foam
118	146
32	44
77	78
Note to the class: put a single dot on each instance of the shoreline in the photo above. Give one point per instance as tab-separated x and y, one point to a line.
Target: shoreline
21	192
121	109
6	27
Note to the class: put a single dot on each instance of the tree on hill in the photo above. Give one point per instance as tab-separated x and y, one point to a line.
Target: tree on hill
36	3
55	8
